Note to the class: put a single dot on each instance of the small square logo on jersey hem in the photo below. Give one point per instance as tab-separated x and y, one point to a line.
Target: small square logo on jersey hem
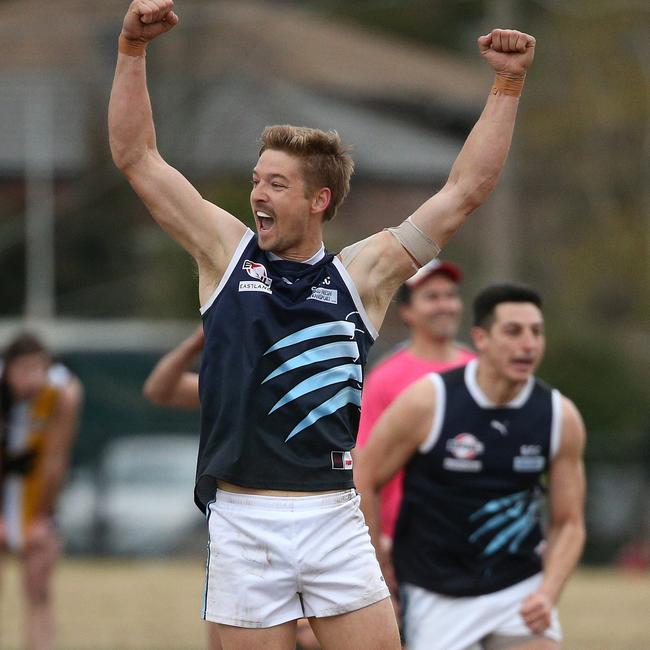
342	460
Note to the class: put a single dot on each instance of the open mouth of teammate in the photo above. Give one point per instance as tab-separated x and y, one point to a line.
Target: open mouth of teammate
523	364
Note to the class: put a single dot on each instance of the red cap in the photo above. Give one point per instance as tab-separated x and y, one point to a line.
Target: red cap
435	266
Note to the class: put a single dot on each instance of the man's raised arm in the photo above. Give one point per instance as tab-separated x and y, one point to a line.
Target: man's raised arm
207	232
390	258
479	164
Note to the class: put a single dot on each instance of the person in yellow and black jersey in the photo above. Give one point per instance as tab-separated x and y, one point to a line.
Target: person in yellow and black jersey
40	404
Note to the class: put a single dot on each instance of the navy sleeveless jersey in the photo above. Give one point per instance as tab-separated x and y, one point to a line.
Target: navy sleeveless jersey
470	517
281	375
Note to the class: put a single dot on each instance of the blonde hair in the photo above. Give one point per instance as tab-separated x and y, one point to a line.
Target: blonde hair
326	162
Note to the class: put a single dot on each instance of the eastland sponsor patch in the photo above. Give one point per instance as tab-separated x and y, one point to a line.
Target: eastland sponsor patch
254	285
461	465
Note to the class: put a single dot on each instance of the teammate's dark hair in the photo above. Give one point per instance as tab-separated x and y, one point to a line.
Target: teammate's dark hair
489	298
326	162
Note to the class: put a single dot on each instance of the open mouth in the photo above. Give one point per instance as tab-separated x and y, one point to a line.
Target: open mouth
522	364
264	220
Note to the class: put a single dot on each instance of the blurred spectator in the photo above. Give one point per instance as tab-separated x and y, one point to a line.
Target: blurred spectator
40	404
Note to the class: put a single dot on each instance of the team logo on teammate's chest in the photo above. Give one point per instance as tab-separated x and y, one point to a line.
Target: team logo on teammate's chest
261	280
464	448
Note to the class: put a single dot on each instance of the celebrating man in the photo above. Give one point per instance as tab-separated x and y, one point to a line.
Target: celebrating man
287	330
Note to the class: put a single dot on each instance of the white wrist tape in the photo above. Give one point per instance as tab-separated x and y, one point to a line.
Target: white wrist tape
420	247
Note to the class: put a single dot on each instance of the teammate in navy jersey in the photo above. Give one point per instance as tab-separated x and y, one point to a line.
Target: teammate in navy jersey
483	447
287	330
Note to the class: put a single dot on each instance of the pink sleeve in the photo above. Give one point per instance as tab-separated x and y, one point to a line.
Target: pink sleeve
373	403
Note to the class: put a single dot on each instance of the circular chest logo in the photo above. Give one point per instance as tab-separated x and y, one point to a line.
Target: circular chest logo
465	446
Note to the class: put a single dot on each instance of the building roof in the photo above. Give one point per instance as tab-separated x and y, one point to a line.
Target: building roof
229	116
228	70
293	43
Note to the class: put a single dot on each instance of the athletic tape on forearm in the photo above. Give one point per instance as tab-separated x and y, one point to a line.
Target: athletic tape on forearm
508	84
420	247
131	48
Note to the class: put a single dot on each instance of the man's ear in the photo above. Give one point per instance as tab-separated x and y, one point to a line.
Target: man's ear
404	310
321	200
479	337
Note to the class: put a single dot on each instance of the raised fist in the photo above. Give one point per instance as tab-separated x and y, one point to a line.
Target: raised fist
507	50
146	19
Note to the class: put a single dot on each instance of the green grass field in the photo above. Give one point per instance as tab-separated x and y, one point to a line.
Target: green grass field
155	605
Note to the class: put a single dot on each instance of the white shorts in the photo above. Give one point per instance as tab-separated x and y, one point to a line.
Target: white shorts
436	622
276	559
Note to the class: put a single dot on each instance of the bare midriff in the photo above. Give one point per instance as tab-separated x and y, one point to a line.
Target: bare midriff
239	489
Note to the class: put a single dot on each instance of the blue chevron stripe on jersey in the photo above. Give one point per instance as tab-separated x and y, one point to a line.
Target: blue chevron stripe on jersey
509	510
523	525
345	396
531	520
499	520
322	353
495	505
328	377
335	328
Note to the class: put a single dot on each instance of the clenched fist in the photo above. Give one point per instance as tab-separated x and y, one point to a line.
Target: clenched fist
147	19
508	51
536	610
